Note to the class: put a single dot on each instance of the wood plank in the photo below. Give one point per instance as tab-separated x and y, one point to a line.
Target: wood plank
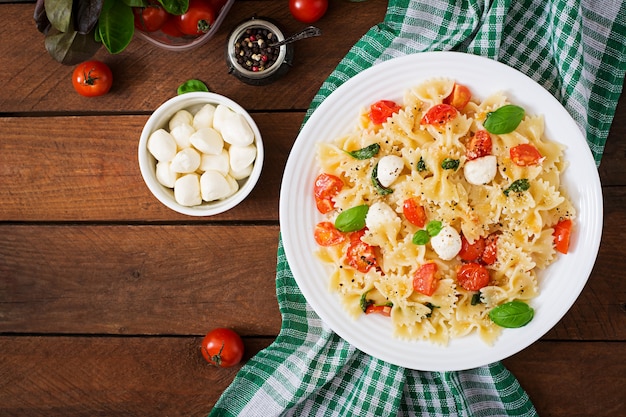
138	279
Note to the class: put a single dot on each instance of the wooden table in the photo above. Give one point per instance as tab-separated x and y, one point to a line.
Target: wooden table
105	294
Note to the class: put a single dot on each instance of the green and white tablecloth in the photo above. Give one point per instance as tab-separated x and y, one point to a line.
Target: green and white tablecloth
577	51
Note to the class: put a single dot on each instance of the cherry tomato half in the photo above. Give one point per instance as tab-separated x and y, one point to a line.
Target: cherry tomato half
414	212
471	251
308	11
92	78
150	18
360	255
222	347
325	188
439	115
326	234
424	279
490	254
198	18
383	310
479	145
472	276
562	232
459	97
525	155
382	110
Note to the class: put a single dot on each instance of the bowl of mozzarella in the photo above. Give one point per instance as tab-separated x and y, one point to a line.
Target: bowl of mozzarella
200	153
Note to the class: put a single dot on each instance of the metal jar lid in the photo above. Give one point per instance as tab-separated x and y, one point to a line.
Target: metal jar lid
267	75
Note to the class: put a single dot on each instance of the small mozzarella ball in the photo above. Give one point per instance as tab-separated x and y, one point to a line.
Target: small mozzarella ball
221	116
162	145
243	173
234	185
181	135
241	156
481	170
204	117
389	168
207	140
378	215
214	186
187	190
165	175
447	243
180	117
219	163
186	161
238	131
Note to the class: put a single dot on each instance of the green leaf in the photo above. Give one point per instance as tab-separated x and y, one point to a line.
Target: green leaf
70	48
434	227
513	314
450	163
504	120
192	85
86	15
518	186
421	237
377	186
116	25
352	219
177	7
421	165
365	153
476	299
364	302
59	14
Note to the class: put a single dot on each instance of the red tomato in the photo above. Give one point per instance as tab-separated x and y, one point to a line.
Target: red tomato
325	188
460	96
439	115
471	251
150	18
360	255
490	254
424	279
472	276
562	232
384	310
382	110
525	154
479	145
170	28
198	18
308	11
326	234
414	212
222	347
92	78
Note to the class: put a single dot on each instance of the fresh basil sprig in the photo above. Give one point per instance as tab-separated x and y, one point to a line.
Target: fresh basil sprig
377	185
513	314
365	153
504	120
517	186
422	237
352	219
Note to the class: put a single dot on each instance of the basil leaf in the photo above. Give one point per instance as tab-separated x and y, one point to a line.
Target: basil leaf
421	165
432	308
365	153
177	7
192	85
377	186
518	186
434	227
70	48
41	18
352	219
421	237
476	299
87	13
364	302
450	163
116	25
513	314
59	13
504	120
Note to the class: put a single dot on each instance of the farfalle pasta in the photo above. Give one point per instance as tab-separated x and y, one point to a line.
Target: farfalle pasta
458	223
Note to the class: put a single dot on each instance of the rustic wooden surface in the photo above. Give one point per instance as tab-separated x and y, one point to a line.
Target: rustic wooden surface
105	293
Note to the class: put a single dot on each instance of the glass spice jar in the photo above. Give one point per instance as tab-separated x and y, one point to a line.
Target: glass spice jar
250	56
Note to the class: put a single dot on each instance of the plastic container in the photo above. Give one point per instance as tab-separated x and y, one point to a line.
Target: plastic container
185	43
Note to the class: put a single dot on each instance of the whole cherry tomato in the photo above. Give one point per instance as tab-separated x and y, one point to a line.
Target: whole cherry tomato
92	78
308	11
198	18
170	28
150	18
222	347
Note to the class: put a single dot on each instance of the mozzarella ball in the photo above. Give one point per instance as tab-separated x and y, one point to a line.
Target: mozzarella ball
389	168
379	215
241	156
204	117
219	163
447	243
234	185
162	145
214	186
241	174
207	140
481	170
186	161
181	135
221	116
187	190
165	175
180	117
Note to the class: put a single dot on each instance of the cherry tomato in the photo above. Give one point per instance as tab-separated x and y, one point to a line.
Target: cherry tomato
424	279
414	212
92	78
360	255
525	155
326	234
382	110
479	145
490	254
439	115
222	347
471	251
562	232
326	187
459	97
384	310
472	276
198	18
308	11
170	28
150	18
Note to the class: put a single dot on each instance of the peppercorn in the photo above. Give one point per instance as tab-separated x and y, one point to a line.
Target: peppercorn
252	49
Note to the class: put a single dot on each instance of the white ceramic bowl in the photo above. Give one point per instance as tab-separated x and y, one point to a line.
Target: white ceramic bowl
147	164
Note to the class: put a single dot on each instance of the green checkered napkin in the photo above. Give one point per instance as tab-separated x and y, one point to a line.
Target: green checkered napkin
577	51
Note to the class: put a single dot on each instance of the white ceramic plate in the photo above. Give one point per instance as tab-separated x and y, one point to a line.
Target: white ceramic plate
561	283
